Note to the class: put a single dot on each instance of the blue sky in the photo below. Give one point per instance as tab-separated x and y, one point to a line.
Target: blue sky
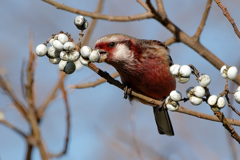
100	115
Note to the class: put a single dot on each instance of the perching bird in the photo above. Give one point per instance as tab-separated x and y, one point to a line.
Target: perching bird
143	65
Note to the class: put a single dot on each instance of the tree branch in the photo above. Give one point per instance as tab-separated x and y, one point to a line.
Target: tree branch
226	13
93	23
93	84
9	125
203	21
67	119
32	110
161	9
5	85
50	97
100	16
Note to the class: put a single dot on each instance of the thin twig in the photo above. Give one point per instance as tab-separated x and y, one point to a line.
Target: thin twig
93	84
161	8
100	16
5	85
143	4
32	110
9	125
93	23
226	13
67	119
203	21
170	41
50	97
226	124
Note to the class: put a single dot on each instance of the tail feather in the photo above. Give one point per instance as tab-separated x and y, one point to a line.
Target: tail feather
163	121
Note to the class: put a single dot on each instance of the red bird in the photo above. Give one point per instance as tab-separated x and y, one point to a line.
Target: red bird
143	65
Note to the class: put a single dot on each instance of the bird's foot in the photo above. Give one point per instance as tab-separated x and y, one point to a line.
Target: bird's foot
127	91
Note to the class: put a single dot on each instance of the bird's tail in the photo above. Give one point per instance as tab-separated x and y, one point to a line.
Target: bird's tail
163	121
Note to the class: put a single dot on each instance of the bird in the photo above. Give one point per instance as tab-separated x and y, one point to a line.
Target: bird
144	67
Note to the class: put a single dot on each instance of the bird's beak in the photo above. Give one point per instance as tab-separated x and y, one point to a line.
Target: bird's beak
103	55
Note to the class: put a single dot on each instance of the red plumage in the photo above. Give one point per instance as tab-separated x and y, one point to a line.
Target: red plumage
142	64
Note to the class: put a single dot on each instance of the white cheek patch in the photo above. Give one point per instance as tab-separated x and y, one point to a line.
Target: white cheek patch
122	53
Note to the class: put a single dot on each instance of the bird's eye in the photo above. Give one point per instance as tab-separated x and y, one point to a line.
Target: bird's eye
111	45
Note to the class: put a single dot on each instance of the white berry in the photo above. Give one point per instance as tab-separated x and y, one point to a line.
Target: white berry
223	71
174	69
63	38
41	50
185	71
204	80
84	61
195	100
54	60
64	56
94	56
68	46
238	89
52	52
232	72
78	64
176	95
73	56
183	79
237	97
62	64
171	105
212	100
199	91
80	22
189	92
51	41
58	45
221	102
85	51
69	68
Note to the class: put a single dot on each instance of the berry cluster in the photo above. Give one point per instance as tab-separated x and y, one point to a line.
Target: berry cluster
182	73
87	54
196	94
64	51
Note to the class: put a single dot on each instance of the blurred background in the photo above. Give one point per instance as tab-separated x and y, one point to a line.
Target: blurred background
100	117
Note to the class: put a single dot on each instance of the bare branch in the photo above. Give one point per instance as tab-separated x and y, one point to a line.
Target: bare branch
5	85
170	41
95	83
9	125
100	16
32	110
226	13
50	97
161	8
93	23
206	116
226	124
143	4
202	23
67	119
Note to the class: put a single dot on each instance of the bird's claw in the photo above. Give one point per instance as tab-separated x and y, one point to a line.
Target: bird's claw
127	92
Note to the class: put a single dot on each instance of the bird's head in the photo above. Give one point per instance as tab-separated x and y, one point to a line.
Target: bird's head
115	48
